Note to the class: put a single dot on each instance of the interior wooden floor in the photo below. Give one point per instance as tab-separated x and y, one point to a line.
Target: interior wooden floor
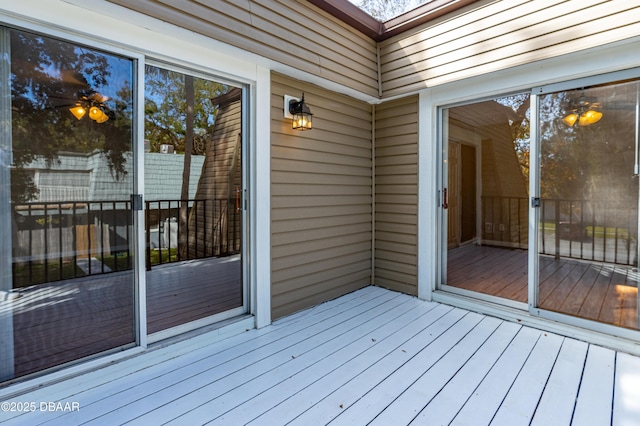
592	290
68	320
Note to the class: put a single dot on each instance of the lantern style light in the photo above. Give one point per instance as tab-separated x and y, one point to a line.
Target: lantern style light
301	115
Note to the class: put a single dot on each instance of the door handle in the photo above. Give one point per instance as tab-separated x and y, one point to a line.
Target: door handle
445	204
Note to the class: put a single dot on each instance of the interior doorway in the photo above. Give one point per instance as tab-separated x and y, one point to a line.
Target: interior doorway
462	192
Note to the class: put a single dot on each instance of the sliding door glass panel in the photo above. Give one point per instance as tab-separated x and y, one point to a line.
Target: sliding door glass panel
485	203
67	288
193	193
588	226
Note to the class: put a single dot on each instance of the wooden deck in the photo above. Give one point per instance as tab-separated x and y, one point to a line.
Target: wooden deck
67	320
593	290
370	357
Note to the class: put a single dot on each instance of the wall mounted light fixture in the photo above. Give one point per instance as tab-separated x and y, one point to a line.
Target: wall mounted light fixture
92	104
299	112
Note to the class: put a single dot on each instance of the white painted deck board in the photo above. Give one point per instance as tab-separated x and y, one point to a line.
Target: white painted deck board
326	409
185	384
372	344
596	390
214	400
370	356
558	399
448	402
413	399
531	381
626	400
489	394
324	385
385	392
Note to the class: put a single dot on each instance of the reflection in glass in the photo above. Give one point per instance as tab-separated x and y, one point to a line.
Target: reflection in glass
589	205
193	193
68	290
487	175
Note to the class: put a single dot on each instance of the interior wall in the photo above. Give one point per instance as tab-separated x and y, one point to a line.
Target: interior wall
321	198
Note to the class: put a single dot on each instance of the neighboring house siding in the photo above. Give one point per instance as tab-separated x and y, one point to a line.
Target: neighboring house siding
321	198
396	200
163	175
220	183
494	35
291	32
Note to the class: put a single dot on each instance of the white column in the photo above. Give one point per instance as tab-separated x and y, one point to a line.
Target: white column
260	200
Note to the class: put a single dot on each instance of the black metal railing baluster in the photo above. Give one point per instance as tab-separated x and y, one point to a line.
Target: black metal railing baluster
60	249
114	252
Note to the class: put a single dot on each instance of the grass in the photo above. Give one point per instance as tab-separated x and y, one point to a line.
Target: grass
608	232
166	255
117	262
40	275
597	231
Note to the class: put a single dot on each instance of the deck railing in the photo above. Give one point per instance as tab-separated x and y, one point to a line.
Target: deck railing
579	229
55	241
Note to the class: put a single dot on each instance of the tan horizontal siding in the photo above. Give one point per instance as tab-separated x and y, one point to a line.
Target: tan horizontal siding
292	32
396	201
321	200
489	36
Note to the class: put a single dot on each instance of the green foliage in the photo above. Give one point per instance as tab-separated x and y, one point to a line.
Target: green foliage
166	109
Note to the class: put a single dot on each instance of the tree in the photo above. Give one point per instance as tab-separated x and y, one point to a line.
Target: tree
383	10
47	77
186	171
166	109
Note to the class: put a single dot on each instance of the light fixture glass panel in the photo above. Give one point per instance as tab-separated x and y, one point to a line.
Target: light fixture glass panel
590	117
95	113
302	121
570	119
102	117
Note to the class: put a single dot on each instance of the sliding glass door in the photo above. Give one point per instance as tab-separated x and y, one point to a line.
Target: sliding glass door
67	176
588	203
485	198
75	217
577	196
194	210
